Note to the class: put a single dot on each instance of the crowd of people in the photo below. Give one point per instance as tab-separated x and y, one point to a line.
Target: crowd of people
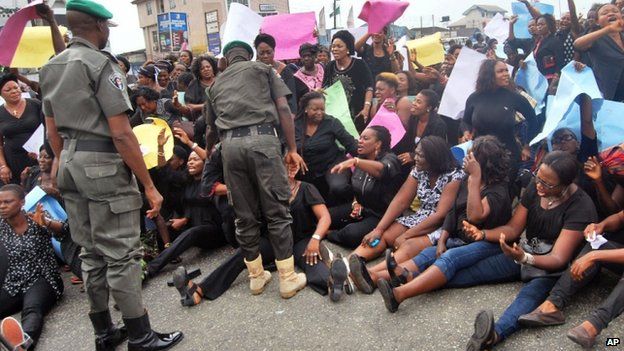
259	165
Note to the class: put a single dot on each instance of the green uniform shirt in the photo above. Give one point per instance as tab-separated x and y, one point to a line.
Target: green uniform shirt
81	87
244	95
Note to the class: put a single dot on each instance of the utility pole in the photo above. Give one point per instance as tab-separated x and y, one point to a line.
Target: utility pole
335	14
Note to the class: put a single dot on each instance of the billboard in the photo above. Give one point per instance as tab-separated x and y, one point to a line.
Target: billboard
214	43
172	31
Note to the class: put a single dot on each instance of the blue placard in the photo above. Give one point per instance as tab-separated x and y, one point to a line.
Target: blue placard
521	28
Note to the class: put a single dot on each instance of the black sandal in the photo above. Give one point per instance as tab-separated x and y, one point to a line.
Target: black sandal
181	281
387	293
391	264
484	335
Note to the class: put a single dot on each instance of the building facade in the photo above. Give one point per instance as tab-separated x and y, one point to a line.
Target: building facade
204	20
475	18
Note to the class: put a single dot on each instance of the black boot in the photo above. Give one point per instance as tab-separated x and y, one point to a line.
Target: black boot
141	337
107	336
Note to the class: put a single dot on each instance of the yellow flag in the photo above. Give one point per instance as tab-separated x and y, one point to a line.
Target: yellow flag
147	135
35	47
429	49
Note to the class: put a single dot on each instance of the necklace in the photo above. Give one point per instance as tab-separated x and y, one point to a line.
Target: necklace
552	200
342	68
15	109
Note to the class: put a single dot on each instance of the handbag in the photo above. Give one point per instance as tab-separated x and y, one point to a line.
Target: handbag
538	247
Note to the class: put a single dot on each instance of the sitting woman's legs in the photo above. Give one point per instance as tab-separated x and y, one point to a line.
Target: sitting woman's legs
37	302
316	275
609	309
387	240
339	188
351	235
530	296
409	249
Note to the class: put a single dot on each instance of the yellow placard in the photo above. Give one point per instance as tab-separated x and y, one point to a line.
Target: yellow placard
429	49
147	135
35	47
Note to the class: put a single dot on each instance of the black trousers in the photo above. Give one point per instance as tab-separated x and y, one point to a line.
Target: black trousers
206	236
220	280
610	308
349	232
34	304
335	188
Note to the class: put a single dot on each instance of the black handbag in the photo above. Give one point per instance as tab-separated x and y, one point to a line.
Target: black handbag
536	247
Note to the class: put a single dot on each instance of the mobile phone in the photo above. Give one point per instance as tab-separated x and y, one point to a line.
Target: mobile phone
374	242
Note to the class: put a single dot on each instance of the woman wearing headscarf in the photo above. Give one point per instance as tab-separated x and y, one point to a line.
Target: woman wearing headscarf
310	76
354	75
265	48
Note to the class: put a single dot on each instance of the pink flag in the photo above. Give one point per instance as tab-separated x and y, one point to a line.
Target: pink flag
391	121
184	46
290	31
379	14
13	29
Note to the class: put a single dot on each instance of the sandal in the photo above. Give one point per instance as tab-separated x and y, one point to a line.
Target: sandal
484	335
391	264
75	280
12	332
181	282
387	293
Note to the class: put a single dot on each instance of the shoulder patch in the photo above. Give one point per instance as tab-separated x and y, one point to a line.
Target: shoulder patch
117	81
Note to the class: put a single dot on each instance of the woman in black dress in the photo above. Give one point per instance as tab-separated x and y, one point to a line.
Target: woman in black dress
355	76
19	118
548	50
491	110
204	68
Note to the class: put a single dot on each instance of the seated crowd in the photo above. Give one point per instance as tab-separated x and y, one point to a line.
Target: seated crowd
505	212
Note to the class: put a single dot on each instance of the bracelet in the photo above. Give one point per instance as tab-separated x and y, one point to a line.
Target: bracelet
368	103
47	224
317	237
161	153
3	166
194	146
167	245
483	232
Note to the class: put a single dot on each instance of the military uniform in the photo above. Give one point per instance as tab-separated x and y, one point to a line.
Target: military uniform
241	105
81	88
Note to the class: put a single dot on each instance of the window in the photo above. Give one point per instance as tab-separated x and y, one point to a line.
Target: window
150	10
172	4
265	14
243	2
212	22
155	46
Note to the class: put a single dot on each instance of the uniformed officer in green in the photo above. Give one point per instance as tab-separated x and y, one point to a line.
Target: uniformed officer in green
243	106
97	153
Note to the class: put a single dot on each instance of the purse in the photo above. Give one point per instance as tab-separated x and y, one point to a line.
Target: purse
538	247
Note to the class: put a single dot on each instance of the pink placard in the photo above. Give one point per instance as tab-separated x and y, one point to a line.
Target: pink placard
379	14
13	29
290	31
391	121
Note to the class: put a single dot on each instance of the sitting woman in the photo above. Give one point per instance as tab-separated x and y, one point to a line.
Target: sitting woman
435	181
422	121
316	134
311	221
553	211
148	78
200	226
150	104
32	283
483	200
586	267
375	180
40	175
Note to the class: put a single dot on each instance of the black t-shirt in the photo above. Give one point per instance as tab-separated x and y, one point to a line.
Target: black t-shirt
500	209
376	64
376	194
320	151
304	220
494	113
606	58
575	213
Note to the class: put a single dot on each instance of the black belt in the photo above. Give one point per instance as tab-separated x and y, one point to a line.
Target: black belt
261	129
93	146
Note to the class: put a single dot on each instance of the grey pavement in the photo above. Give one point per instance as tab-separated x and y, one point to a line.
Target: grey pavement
441	320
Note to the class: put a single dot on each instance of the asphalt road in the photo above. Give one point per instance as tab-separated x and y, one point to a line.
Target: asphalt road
440	320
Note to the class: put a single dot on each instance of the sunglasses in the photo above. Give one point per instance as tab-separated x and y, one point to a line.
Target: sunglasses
563	138
541	181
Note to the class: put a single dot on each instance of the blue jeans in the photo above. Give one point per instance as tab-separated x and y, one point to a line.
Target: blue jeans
455	259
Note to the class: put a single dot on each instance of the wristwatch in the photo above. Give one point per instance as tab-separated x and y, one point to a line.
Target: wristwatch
317	237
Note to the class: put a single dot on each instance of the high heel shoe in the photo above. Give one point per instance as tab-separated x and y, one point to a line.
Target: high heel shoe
181	282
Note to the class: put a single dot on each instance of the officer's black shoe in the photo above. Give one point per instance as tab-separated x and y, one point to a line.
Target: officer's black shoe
141	337
107	335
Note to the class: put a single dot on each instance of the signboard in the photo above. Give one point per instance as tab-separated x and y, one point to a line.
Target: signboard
179	30
214	43
172	31
164	32
267	8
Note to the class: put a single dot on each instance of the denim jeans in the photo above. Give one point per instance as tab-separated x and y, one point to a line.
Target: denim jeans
456	258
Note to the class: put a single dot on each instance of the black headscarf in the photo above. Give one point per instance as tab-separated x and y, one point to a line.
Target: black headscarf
347	38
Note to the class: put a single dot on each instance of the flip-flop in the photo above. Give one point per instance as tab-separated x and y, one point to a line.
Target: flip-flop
13	333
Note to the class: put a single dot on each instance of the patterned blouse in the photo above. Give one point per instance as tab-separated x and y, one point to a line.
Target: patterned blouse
30	257
428	196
